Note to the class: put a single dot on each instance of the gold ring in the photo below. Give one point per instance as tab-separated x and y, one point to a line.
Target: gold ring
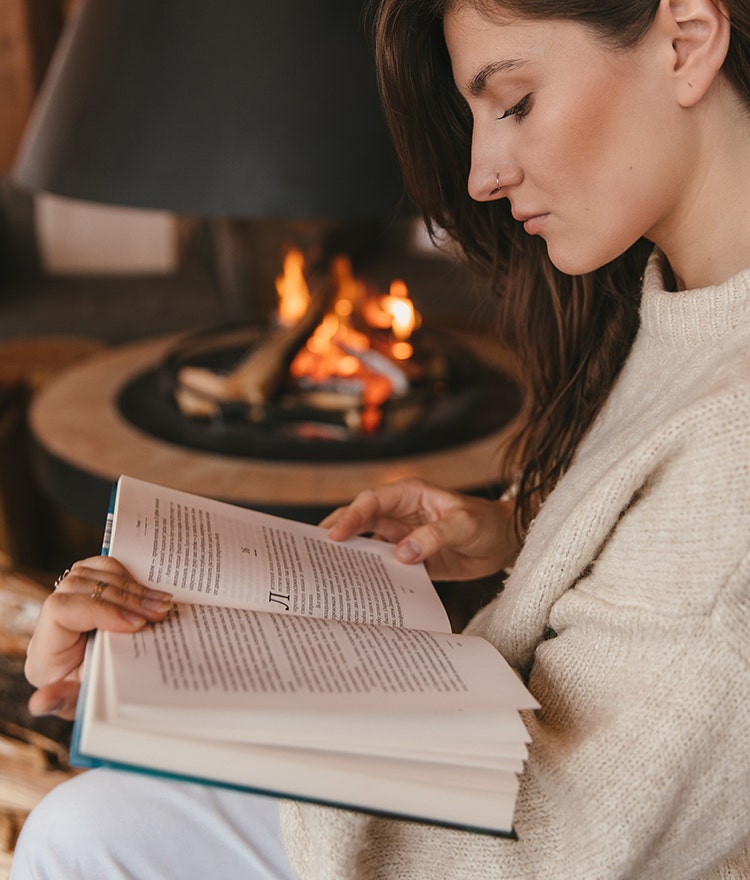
98	590
61	578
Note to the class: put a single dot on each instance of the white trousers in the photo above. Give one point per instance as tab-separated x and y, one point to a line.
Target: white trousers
110	825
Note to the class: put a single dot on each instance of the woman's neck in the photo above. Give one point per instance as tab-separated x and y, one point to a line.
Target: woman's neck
709	241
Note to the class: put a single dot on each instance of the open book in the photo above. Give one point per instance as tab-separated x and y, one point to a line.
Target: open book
300	667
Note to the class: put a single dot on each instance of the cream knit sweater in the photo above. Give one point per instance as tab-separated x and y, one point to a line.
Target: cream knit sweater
629	611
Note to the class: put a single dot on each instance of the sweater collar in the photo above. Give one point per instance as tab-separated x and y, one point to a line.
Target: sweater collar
685	318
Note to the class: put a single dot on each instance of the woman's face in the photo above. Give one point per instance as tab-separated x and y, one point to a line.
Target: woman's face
584	140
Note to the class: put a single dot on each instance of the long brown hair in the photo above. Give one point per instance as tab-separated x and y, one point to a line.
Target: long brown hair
571	334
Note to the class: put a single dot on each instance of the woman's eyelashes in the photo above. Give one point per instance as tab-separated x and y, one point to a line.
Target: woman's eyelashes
519	110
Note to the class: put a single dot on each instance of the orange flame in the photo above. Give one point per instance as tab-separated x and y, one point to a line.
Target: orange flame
401	309
336	349
292	290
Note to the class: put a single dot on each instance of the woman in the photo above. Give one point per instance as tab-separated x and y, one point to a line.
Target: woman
607	151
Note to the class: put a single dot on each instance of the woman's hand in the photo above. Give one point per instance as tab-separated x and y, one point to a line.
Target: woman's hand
459	537
96	593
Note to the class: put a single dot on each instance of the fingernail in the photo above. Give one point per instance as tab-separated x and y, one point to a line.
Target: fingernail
157	604
157	594
134	619
408	551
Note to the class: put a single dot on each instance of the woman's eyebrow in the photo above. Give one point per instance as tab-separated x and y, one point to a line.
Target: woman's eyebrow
478	82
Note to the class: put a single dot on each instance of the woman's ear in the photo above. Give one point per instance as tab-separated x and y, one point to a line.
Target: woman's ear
700	42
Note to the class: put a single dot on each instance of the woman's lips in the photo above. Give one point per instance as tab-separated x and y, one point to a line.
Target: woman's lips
532	223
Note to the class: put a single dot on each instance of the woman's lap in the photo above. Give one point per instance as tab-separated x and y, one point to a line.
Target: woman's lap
113	826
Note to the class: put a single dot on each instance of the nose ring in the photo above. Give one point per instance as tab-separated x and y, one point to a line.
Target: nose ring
497	184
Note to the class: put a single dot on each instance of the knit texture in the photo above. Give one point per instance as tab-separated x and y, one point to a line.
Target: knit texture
628	611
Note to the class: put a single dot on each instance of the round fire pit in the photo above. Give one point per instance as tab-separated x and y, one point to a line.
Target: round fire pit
455	394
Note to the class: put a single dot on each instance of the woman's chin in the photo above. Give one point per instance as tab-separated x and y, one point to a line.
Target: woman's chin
570	262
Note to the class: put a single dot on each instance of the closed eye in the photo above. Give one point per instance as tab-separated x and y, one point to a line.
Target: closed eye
519	110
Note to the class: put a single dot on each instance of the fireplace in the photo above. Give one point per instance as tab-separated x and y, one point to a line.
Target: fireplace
297	449
343	371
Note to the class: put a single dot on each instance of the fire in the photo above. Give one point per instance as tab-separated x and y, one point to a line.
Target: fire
394	311
401	308
292	290
341	350
405	317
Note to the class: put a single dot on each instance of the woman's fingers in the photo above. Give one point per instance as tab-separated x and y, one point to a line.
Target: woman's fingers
58	699
97	593
426	540
361	515
459	537
390	510
107	582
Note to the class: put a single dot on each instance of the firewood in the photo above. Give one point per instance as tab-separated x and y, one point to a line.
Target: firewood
260	374
21	600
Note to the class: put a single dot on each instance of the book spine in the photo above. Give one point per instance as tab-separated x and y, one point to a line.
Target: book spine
107	539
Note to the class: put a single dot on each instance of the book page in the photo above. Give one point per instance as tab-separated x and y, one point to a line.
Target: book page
243	662
478	797
209	552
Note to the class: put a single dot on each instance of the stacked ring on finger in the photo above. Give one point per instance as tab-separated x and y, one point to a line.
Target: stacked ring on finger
98	590
61	578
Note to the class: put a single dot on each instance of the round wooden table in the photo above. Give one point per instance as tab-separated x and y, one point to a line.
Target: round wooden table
82	444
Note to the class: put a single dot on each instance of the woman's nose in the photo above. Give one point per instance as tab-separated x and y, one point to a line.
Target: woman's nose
485	186
493	169
488	182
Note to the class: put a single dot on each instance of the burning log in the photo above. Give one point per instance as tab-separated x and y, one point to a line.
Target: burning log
459	390
381	365
258	377
345	350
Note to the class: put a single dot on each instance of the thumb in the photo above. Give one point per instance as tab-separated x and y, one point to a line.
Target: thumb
423	542
58	699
